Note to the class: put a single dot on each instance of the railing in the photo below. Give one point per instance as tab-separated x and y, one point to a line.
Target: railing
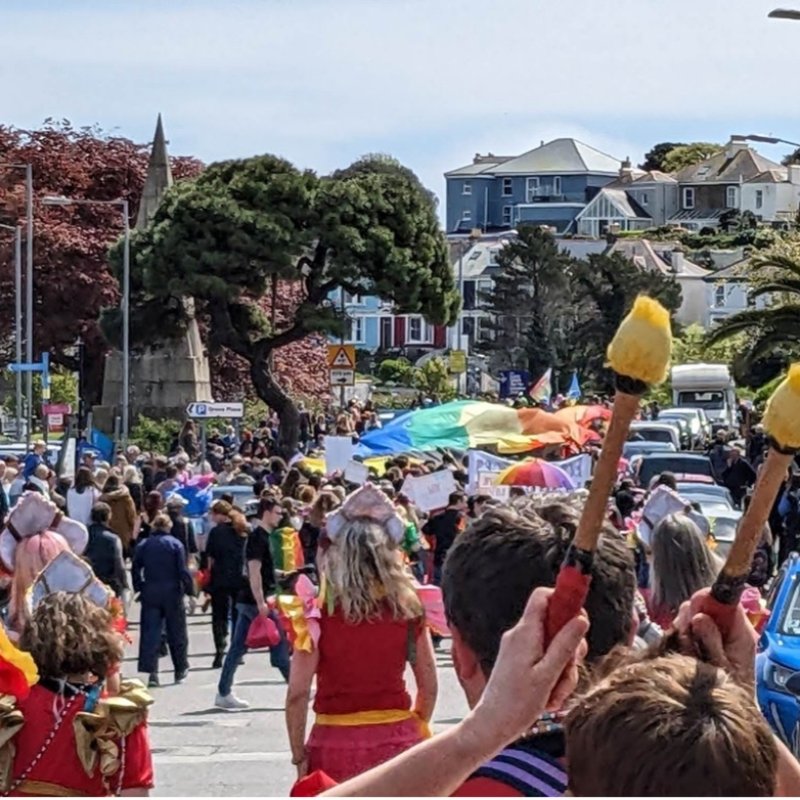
545	194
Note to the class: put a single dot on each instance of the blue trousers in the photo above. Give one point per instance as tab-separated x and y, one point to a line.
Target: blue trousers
278	655
170	615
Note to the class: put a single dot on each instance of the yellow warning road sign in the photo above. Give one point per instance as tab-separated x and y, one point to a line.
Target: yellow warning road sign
341	356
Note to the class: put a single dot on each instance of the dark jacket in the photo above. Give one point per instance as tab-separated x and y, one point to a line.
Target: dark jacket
225	548
183	531
159	570
104	554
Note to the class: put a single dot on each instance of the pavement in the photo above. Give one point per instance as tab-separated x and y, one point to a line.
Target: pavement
202	751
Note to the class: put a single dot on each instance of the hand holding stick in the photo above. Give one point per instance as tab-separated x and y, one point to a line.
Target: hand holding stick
639	354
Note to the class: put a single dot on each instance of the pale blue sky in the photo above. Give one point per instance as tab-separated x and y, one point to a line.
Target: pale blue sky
429	81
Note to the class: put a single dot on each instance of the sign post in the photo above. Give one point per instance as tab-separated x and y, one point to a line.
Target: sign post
342	367
42	366
210	410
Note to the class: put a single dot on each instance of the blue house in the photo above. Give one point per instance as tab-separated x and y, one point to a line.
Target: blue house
549	185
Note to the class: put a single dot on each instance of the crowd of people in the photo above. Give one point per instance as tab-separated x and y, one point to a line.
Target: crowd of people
318	569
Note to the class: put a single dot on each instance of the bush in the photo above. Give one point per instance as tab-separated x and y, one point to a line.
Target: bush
395	370
154	435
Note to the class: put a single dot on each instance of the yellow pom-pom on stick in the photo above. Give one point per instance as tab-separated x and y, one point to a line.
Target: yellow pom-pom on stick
639	354
782	424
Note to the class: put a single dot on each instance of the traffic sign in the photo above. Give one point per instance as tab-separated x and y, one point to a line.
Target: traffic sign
341	356
458	362
211	410
343	377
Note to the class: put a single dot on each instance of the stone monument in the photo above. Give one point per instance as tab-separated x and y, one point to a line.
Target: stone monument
163	379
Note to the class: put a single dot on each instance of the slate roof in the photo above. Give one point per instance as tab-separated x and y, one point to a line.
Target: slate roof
770	176
655	257
744	164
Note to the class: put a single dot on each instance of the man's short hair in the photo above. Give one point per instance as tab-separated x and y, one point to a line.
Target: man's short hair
101	513
669	726
494	566
456	498
267	503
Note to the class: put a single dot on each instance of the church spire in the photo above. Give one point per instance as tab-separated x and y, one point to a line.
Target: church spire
158	180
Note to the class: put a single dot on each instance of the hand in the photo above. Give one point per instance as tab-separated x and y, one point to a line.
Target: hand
302	768
700	637
263	609
526	679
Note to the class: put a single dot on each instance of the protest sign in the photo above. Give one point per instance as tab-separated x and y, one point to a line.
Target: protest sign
478	461
429	492
487	484
338	453
579	469
356	472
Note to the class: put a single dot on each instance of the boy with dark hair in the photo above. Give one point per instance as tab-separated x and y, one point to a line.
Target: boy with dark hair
490	573
443	529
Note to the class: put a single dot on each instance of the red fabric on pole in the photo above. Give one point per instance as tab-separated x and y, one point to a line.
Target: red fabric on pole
572	587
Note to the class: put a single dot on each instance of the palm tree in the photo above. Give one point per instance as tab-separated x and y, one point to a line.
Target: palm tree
776	325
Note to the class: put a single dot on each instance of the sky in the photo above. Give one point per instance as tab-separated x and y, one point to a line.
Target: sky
431	82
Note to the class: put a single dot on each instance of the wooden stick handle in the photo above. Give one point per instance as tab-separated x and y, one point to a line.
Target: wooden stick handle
605	473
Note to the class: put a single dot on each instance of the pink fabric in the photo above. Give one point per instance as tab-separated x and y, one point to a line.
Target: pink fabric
343	751
431	598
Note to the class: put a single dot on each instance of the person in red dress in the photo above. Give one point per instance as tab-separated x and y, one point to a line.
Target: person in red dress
357	638
64	736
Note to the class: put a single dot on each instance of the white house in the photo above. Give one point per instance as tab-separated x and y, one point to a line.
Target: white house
728	291
773	195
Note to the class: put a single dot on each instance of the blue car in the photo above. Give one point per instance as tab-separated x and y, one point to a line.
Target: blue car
778	656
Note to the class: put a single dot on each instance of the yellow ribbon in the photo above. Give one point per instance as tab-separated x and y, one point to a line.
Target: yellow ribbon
378	717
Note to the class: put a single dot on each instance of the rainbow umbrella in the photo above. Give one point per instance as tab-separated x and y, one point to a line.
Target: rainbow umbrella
536	472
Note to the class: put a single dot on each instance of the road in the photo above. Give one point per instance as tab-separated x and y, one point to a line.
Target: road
202	751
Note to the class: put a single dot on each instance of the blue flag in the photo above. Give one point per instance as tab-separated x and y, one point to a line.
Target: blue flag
574	391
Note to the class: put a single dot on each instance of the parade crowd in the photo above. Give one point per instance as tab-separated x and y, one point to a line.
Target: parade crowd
348	586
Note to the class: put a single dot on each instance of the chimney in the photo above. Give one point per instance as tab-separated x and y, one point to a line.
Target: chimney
793	173
677	260
626	170
736	144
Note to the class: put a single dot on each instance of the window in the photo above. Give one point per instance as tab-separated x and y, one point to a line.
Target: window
688	198
469	296
719	296
484	289
354	332
506	215
466	215
467	187
557	185
531	188
731	197
759	198
353	299
419	332
508	187
644	199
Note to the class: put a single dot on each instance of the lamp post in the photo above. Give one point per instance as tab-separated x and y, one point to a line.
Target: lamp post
757	137
121	203
28	168
17	319
784	13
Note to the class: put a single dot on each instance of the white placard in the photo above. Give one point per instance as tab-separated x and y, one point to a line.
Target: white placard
356	472
579	468
478	461
430	492
338	453
662	502
487	484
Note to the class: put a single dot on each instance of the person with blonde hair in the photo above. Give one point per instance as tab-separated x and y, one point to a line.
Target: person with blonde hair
357	638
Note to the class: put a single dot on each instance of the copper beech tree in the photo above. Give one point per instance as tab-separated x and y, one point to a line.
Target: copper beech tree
242	225
72	282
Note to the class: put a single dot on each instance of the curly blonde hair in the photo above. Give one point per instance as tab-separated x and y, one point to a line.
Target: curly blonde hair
70	635
365	573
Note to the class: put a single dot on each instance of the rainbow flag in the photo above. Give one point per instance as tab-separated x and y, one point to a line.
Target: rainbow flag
542	390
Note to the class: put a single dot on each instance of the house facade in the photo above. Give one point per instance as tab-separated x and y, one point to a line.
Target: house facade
549	185
372	325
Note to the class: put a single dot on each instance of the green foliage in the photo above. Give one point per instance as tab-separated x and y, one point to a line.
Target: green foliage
654	158
765	392
63	390
686	155
434	381
153	435
222	238
792	158
395	370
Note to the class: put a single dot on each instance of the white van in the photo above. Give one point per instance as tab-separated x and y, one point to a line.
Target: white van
706	386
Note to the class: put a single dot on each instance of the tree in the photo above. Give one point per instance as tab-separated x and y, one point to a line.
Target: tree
686	155
774	328
526	302
792	158
72	281
604	288
654	158
433	380
224	238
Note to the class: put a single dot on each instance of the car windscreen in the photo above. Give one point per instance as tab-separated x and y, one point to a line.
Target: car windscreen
712	400
680	465
652	435
790	624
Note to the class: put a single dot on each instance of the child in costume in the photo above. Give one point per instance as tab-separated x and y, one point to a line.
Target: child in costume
357	637
64	736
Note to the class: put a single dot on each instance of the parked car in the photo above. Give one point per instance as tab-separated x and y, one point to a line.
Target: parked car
697	420
242	499
631	450
685	466
778	656
655	432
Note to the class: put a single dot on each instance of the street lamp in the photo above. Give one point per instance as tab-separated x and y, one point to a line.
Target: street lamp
122	203
784	13
757	137
17	318
28	168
